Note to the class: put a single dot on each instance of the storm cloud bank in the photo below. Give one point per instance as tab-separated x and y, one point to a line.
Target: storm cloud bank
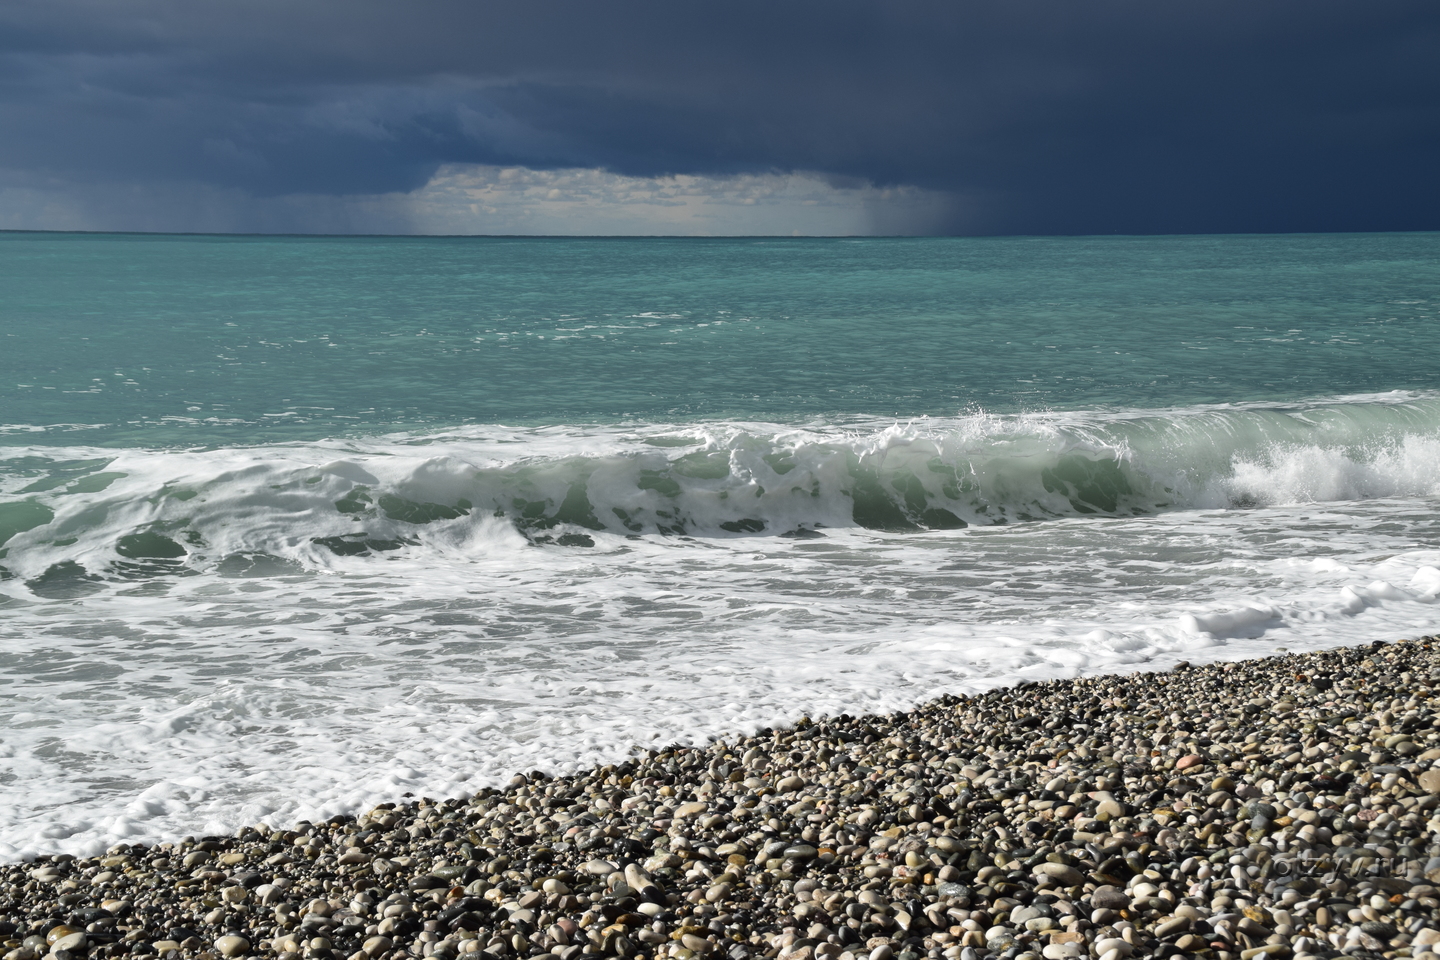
989	117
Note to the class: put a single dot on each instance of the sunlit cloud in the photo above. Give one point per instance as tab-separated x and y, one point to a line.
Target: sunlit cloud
474	199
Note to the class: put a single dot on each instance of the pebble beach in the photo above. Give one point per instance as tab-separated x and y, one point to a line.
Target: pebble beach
1280	807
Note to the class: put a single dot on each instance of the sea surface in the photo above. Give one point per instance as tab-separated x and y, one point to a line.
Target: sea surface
290	526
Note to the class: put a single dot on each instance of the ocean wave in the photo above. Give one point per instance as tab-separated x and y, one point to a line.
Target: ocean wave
72	518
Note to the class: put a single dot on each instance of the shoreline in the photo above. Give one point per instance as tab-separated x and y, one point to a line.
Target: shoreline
1285	806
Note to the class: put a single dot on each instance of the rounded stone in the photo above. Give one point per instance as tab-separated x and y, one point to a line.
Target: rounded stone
1171	927
1061	873
1109	809
1109	898
232	945
74	942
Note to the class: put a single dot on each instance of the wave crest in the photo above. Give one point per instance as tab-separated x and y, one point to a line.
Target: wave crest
67	520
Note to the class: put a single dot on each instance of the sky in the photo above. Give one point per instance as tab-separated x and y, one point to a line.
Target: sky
736	117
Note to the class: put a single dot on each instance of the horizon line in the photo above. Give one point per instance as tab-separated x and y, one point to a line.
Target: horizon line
727	236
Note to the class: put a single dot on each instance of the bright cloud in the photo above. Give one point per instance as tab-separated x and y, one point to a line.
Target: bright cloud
473	199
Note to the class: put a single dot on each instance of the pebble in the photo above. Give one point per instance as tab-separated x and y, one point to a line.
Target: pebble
1171	927
1190	811
1062	951
232	946
1115	945
74	942
1109	897
1061	873
1108	810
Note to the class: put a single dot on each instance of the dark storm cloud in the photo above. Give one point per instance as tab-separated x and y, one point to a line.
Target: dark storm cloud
1047	117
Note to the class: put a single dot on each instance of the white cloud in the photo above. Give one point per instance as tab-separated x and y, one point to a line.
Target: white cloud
472	199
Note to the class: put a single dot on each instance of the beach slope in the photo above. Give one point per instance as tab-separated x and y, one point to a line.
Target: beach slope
1278	807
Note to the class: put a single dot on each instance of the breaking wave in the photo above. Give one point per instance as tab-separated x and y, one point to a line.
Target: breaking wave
72	518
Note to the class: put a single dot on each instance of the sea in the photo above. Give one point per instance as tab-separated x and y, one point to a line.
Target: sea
290	526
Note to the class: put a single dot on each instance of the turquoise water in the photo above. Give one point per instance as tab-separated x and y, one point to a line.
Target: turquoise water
291	526
161	339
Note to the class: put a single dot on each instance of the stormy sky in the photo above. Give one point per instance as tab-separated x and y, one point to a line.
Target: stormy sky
573	116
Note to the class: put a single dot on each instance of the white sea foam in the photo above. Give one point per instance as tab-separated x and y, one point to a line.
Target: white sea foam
197	639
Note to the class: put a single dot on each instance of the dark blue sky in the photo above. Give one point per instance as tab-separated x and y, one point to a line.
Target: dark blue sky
1042	117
